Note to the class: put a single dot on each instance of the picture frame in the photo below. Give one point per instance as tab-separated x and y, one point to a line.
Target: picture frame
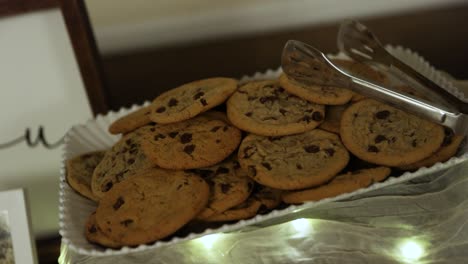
16	243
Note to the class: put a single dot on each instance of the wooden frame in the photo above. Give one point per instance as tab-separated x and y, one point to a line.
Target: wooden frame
14	7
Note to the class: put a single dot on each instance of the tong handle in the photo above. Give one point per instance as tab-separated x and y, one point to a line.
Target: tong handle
417	107
423	80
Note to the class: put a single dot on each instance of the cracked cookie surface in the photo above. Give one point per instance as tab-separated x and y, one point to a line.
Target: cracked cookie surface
384	135
191	99
131	121
123	160
293	162
195	143
265	108
151	206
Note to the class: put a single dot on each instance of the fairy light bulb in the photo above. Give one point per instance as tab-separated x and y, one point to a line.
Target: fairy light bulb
208	241
301	226
411	251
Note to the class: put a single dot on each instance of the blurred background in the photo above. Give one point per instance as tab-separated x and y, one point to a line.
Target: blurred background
146	47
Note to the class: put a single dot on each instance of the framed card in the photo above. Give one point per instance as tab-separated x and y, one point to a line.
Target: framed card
16	244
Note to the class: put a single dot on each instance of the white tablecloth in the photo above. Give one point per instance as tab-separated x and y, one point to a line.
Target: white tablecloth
422	221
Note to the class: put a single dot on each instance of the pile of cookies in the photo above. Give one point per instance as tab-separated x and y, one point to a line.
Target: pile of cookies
215	151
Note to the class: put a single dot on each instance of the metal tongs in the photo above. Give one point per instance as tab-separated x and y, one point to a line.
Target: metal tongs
307	64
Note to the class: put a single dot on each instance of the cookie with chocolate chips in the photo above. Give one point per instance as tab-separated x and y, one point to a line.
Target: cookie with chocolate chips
265	108
384	135
245	210
122	161
151	206
195	143
448	149
131	121
332	95
343	183
80	172
293	162
229	187
191	99
94	234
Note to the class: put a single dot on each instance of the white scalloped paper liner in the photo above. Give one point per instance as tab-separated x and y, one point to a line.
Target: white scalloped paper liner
93	135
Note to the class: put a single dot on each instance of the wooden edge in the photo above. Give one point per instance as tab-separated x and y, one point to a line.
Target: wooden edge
86	53
16	7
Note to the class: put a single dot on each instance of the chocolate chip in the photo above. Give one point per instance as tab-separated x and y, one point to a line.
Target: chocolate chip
179	186
271	139
225	187
299	166
218	141
203	173
236	165
252	171
250	186
225	128
173	134
172	102
330	152
312	149
107	187
159	136
161	109
92	229
185	138
265	99
306	118
372	148
382	114
198	95
317	116
414	143
266	165
222	170
120	201
130	161
126	222
241	91
189	149
282	111
128	141
249	114
379	138
152	129
216	128
247	150
203	102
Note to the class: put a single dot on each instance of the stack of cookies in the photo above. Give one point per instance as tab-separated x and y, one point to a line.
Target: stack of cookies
215	151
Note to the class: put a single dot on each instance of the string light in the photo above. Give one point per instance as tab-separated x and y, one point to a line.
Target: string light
301	226
209	240
411	250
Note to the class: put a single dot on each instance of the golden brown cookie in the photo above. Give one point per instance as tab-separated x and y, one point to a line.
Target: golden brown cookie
151	206
80	171
195	143
229	187
448	149
381	134
122	161
344	183
131	121
293	162
191	99
265	108
246	210
94	235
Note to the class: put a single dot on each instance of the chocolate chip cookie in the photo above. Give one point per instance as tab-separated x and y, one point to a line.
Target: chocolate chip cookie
190	144
265	108
94	235
151	206
131	121
293	162
448	149
245	210
191	99
384	135
344	183
122	161
80	171
229	187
